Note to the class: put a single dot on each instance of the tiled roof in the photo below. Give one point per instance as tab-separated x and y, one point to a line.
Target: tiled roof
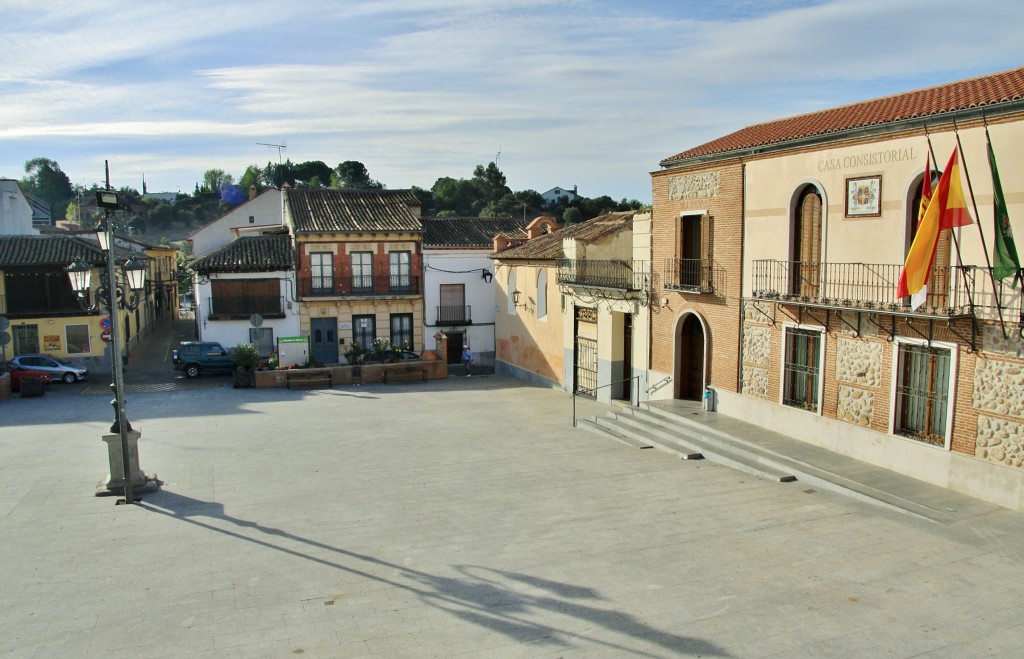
549	246
48	250
933	102
478	232
329	211
249	254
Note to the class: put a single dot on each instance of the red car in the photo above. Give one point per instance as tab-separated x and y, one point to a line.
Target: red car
19	372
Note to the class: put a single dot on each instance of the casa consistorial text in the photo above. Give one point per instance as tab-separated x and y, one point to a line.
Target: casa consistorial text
858	160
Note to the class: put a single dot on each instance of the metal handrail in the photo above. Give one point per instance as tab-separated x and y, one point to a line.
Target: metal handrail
610	384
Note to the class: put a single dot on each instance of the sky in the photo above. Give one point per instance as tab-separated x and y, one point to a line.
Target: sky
559	93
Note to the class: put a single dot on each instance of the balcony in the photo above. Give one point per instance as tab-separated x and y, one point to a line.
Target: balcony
693	276
458	315
616	275
954	292
375	286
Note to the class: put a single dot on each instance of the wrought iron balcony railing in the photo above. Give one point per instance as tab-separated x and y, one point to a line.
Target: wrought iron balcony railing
693	275
618	275
457	315
956	291
365	286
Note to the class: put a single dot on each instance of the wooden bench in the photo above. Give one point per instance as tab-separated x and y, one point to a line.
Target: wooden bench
412	374
308	378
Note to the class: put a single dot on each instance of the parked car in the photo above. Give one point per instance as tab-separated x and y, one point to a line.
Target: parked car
56	367
194	357
19	373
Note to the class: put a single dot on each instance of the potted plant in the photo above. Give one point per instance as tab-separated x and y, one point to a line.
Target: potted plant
247	356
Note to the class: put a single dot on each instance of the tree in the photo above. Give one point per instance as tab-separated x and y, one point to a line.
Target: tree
572	215
491	182
46	181
455	196
312	174
251	178
162	215
353	175
214	180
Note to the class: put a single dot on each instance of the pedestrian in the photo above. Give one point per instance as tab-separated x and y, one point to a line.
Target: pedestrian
467	359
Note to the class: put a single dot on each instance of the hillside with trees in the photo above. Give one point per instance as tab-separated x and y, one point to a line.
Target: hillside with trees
484	193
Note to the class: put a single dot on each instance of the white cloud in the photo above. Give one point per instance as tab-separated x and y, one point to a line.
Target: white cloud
573	92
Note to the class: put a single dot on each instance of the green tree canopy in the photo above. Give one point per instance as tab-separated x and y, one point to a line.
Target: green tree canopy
46	180
353	175
312	174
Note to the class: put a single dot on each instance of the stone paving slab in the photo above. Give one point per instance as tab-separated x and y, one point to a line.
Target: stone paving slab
464	517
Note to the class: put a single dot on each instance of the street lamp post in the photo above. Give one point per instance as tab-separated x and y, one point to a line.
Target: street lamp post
114	294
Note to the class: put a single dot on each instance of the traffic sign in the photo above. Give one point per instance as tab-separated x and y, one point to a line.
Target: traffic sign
105	323
105	335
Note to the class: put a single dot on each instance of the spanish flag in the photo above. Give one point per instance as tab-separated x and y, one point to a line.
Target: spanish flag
947	209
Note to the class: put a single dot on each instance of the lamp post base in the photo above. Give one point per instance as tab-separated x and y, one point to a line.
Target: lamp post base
114	483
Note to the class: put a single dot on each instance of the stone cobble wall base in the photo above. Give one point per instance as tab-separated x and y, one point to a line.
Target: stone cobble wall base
1000	441
999	387
855	405
755	381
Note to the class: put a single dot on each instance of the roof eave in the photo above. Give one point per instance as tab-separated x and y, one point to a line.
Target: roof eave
902	125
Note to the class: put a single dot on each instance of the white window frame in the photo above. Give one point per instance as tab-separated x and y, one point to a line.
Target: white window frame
88	339
951	395
786	329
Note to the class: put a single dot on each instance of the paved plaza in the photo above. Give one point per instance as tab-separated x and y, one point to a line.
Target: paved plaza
464	517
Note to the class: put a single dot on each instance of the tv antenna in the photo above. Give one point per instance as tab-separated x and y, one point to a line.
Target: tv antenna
280	148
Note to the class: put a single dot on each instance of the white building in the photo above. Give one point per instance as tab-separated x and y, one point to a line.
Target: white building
261	213
15	210
554	194
458	282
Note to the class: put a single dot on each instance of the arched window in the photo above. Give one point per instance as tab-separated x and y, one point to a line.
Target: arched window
542	293
938	281
806	245
511	290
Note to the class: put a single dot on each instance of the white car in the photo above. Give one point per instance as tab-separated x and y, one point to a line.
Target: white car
66	370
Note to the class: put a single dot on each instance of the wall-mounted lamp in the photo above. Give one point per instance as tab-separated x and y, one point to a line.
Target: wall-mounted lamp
516	296
486	275
664	302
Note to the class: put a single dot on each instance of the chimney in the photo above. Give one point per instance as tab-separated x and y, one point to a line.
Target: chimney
252	192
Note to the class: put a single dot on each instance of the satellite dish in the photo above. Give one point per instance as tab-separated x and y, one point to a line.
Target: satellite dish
255	320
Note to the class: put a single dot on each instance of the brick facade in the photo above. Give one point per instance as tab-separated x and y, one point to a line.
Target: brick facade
719	310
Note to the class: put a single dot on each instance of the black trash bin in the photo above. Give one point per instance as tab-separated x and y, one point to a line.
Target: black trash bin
32	387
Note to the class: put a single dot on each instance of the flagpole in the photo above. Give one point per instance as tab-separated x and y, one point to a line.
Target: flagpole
981	232
996	188
952	232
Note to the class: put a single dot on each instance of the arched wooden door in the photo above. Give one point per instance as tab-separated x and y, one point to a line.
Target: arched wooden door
806	248
690	348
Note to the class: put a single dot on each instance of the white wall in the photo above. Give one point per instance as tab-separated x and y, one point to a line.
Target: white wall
15	211
263	211
232	332
461	267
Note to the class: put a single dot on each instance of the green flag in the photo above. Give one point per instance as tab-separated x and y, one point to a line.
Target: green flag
1006	262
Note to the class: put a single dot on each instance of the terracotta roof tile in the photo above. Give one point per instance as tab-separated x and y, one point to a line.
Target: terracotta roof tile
469	232
331	211
549	246
988	90
249	254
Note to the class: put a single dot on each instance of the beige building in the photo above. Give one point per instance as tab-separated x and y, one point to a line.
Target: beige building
809	220
573	306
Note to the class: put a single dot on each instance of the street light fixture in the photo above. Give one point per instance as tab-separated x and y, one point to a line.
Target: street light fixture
114	293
